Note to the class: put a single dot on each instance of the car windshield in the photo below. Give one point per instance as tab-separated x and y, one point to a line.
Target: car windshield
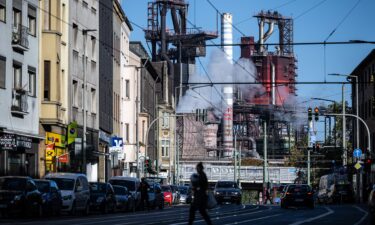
119	190
130	185
226	185
166	189
43	186
13	184
298	189
183	191
65	184
98	188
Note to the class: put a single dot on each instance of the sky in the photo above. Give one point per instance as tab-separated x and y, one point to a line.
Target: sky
314	21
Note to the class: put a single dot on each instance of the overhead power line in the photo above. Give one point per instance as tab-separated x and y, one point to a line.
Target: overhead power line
277	83
310	9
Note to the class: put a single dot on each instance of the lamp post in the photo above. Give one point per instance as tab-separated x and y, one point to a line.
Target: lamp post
84	62
356	101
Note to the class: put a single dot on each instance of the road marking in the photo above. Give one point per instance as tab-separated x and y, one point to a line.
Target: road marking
330	211
255	219
364	217
223	217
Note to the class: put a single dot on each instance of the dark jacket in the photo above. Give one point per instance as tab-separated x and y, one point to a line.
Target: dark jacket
200	192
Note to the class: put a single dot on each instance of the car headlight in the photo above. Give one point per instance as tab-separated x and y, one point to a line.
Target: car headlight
235	193
67	197
99	199
217	193
17	197
168	196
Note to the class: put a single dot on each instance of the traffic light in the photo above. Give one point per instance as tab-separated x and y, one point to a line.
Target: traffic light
317	148
316	113
309	113
367	166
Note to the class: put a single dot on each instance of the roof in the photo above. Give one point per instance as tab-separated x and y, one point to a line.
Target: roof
137	48
364	63
124	178
64	175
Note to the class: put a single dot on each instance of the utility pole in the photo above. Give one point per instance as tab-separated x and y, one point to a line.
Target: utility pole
265	164
308	167
84	62
137	122
235	157
344	154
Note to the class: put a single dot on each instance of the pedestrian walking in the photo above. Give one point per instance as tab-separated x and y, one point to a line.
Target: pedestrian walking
143	189
199	184
268	197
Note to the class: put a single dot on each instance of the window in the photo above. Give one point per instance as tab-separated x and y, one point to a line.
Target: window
47	80
17	76
165	122
31	18
32	81
127	132
127	87
85	4
17	22
93	100
93	44
2	71
165	148
75	93
3	10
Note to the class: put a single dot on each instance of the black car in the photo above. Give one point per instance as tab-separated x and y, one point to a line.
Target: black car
227	191
185	194
297	195
20	195
51	196
124	199
155	195
102	197
343	193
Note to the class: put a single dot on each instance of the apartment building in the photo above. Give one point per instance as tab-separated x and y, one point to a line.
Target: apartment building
19	89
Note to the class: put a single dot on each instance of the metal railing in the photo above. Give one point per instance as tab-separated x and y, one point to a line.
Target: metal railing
19	101
20	36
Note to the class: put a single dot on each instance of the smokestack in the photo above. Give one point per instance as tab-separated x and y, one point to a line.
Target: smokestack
226	41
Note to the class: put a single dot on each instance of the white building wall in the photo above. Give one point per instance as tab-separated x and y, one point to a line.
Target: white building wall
30	121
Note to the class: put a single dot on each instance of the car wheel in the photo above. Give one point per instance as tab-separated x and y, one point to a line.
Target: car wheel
161	205
73	210
87	209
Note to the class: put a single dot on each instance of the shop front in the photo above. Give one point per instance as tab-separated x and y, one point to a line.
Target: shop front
18	154
104	168
56	154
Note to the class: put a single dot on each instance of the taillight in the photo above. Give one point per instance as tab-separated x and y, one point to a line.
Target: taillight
288	193
309	193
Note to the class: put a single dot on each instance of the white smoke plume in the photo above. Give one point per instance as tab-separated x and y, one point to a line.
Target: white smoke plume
219	70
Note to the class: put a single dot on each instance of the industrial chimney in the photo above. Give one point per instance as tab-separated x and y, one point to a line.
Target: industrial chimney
226	41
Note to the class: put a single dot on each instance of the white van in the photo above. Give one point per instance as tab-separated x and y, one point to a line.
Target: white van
75	191
131	183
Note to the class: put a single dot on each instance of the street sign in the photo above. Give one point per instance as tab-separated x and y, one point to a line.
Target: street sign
357	153
358	166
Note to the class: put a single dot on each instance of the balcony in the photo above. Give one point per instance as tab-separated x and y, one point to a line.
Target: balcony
20	40
19	102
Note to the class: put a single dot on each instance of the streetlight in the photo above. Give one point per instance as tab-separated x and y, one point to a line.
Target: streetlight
84	62
356	101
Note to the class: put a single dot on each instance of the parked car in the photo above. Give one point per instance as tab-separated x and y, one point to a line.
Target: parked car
20	195
102	197
124	199
51	196
298	195
168	195
227	191
132	184
335	188
75	191
185	194
155	196
176	194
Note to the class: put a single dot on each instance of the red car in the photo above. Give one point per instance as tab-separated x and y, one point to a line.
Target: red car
168	196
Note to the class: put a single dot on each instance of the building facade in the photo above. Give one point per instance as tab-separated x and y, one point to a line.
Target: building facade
84	84
19	89
53	82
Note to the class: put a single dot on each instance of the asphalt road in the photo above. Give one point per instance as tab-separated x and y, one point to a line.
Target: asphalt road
223	215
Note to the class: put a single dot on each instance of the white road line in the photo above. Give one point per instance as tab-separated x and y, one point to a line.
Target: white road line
364	216
255	219
223	217
330	211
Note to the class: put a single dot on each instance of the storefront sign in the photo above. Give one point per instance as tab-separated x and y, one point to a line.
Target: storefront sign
50	152
64	158
24	142
103	136
116	142
57	139
8	142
